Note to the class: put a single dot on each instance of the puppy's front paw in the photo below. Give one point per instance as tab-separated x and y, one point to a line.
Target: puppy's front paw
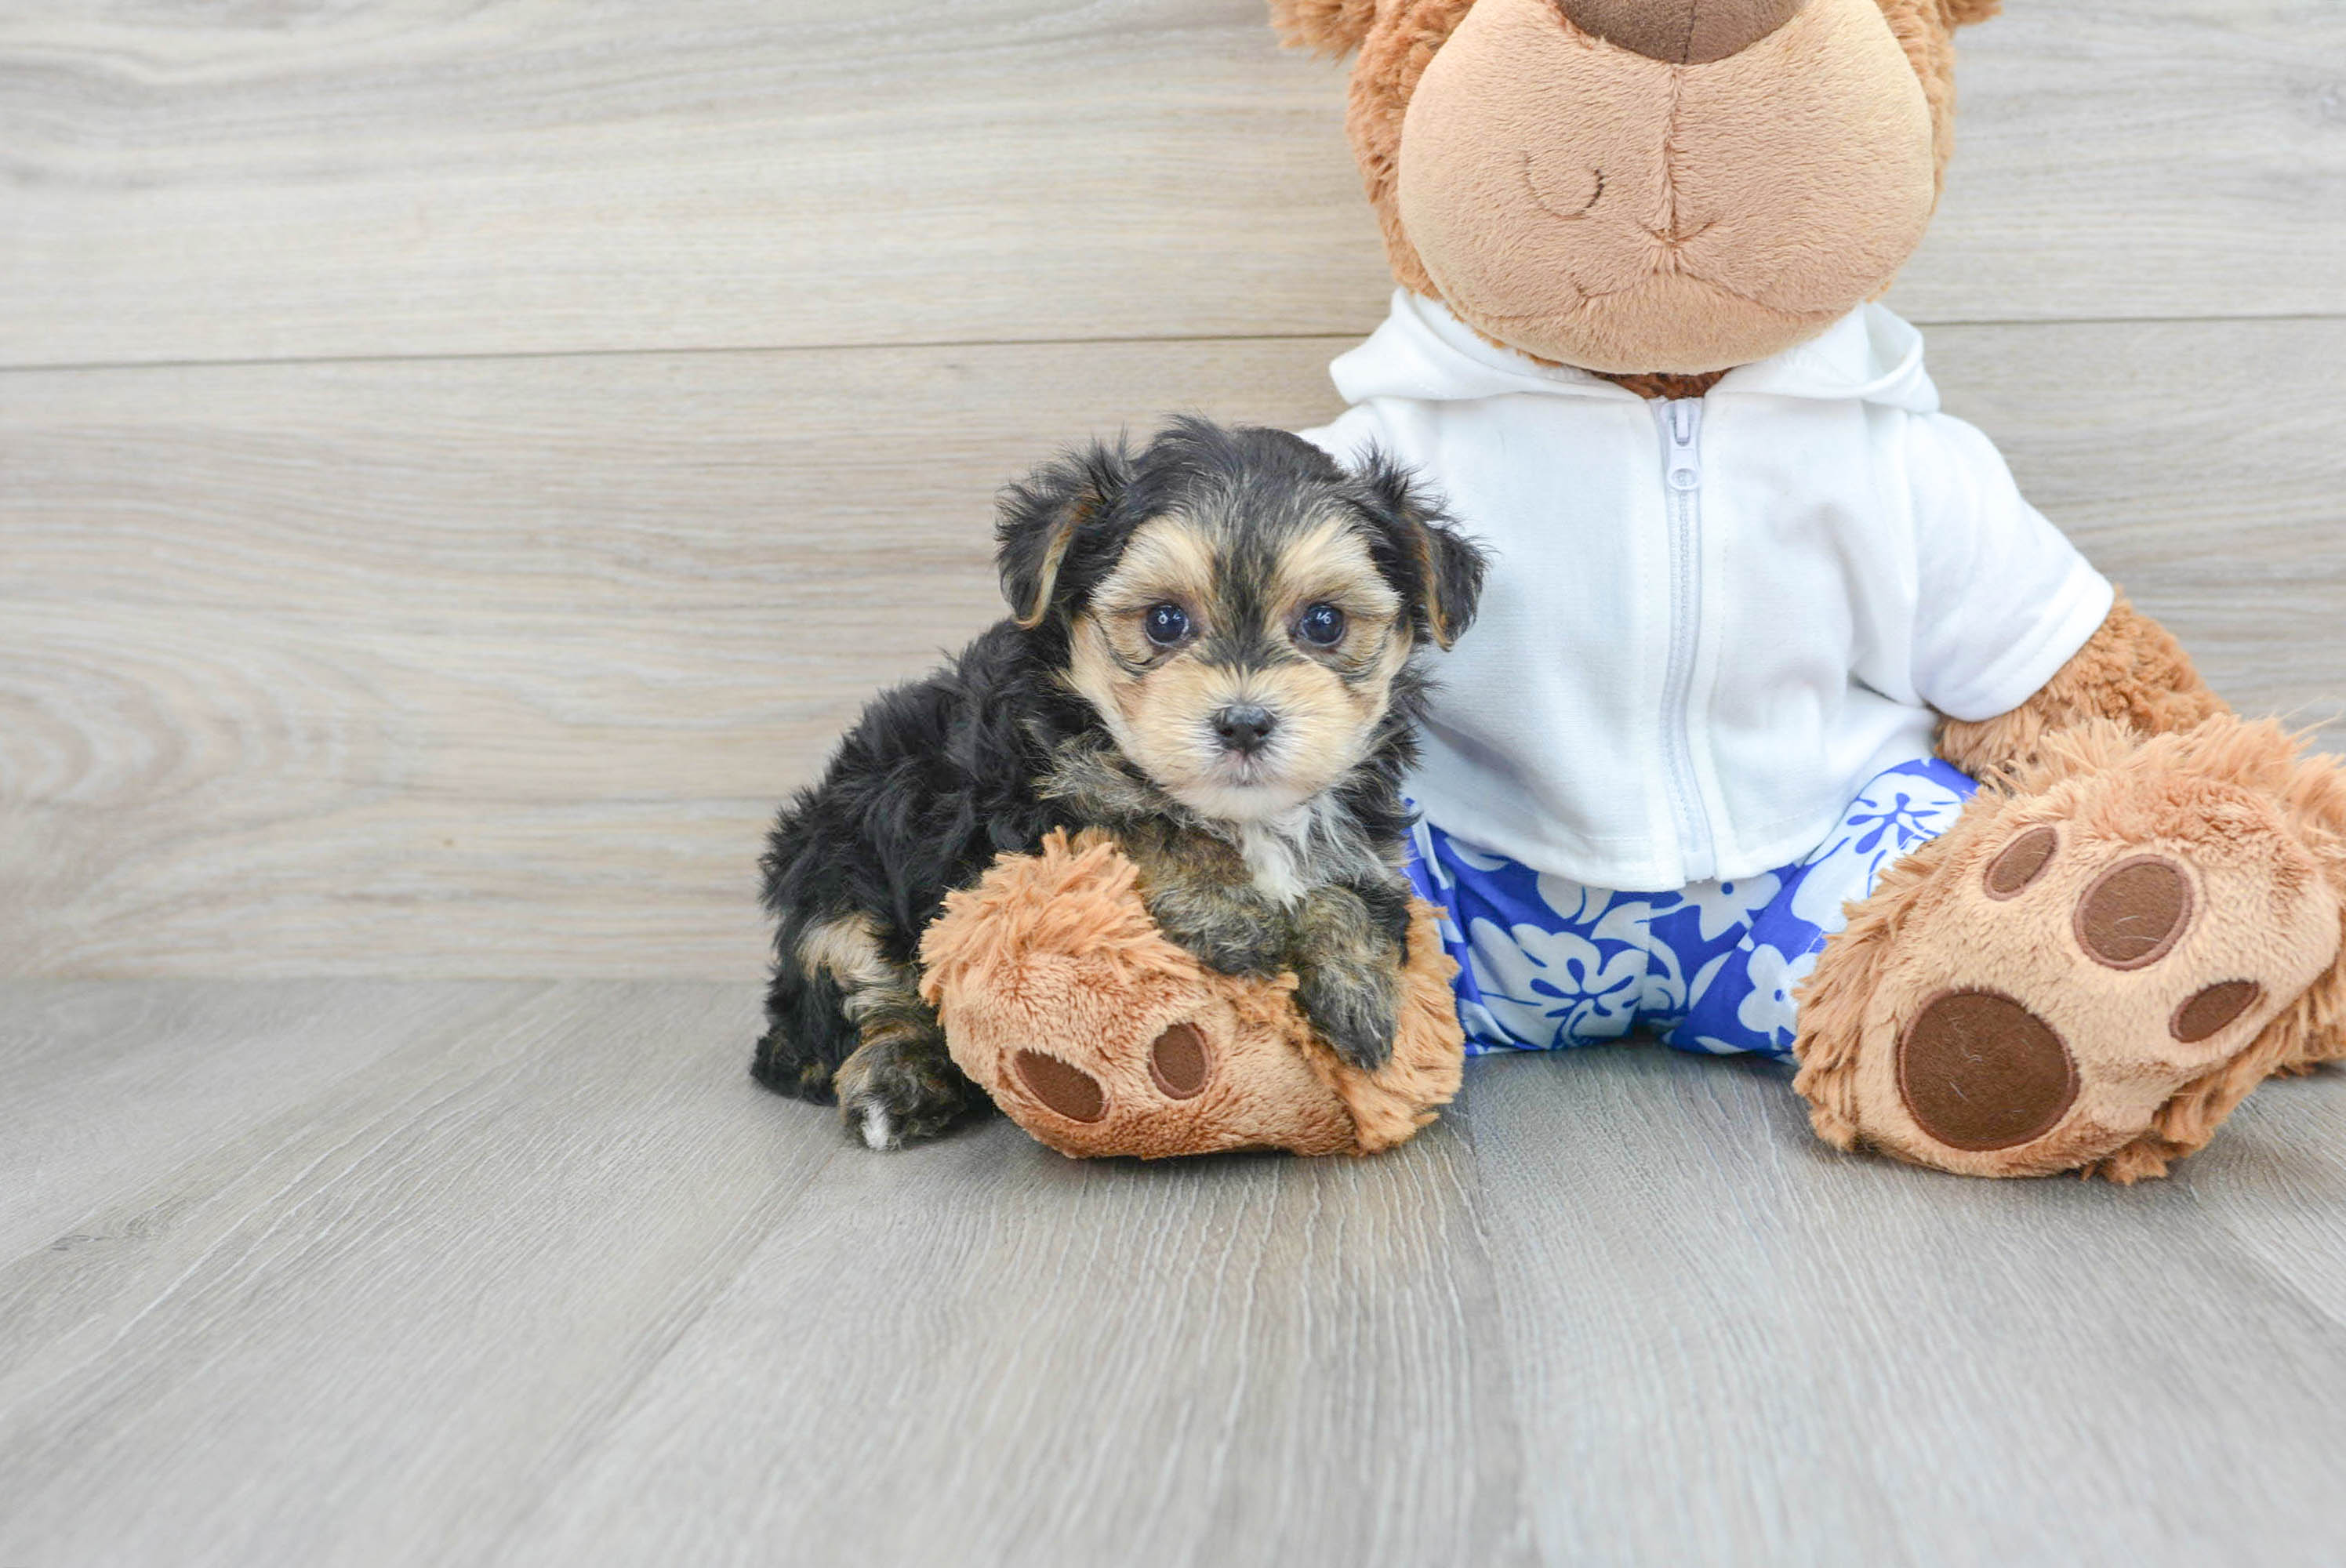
1238	940
1228	936
1355	1012
1247	959
899	1090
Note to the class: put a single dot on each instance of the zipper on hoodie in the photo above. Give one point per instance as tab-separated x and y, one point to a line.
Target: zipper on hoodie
1681	421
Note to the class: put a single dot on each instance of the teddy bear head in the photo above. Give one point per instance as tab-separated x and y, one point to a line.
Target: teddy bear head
1640	187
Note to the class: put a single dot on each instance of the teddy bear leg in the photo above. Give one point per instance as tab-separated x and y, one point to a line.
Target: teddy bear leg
2088	973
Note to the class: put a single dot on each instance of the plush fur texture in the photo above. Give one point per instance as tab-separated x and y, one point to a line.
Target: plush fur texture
1703	214
2259	835
1661	384
2124	750
1590	205
1329	26
1211	654
2132	671
1055	956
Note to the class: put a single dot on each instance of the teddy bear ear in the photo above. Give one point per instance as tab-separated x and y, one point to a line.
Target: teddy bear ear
1961	12
1337	26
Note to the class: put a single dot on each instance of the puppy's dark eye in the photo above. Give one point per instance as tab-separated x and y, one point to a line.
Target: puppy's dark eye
1322	625
1165	625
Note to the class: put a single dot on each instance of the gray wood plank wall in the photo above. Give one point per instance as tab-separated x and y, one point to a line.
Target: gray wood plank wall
461	464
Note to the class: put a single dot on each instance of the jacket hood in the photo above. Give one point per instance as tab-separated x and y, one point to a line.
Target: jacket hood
1422	351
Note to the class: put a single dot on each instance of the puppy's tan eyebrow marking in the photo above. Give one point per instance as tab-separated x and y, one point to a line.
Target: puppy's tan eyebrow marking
1331	562
1166	558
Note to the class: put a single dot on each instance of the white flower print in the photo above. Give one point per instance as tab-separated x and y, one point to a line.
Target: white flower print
1663	991
1722	907
1896	811
1769	1011
1541	983
1586	910
1550	963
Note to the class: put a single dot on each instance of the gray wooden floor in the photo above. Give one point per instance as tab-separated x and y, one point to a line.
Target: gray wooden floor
451	1272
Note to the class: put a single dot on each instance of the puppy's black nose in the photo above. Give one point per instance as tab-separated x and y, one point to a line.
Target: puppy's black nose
1244	729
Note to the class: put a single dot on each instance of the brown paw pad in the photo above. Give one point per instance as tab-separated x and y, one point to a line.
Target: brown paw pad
1180	1062
1069	1090
2135	913
2207	1012
2021	863
1978	1071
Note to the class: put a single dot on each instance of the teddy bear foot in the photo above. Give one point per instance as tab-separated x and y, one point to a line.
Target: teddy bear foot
1063	1002
2087	975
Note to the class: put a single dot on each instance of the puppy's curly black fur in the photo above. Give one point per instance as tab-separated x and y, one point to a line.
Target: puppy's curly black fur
1211	655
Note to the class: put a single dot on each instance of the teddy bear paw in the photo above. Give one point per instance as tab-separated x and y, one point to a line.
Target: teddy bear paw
1187	1072
2068	966
1179	1063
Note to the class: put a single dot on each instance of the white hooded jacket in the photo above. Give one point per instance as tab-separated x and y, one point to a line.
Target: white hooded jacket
1709	621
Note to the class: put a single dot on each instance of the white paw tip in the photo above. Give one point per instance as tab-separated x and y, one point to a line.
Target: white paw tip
879	1132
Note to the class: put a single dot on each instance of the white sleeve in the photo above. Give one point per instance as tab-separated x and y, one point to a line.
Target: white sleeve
1351	435
2001	598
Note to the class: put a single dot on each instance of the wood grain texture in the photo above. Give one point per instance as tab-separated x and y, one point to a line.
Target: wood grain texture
307	180
483	643
104	1086
498	668
1024	1358
1905	1367
376	1326
542	1278
2275	1192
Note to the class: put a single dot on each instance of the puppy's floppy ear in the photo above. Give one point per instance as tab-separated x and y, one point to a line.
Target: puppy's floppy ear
1325	27
1438	569
1040	517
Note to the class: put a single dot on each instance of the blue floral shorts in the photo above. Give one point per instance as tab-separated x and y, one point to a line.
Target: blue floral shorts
1544	963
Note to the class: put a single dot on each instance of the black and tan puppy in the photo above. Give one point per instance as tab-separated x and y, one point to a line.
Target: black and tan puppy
1211	658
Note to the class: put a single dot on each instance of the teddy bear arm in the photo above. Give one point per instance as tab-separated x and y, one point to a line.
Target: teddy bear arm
2131	670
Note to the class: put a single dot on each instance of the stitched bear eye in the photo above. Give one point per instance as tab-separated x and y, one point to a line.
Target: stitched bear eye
1322	625
1165	625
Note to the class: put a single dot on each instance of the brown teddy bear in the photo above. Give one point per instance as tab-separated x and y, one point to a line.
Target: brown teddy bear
1788	727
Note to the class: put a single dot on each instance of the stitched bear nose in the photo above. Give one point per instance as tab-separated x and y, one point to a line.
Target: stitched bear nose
1244	728
1680	32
